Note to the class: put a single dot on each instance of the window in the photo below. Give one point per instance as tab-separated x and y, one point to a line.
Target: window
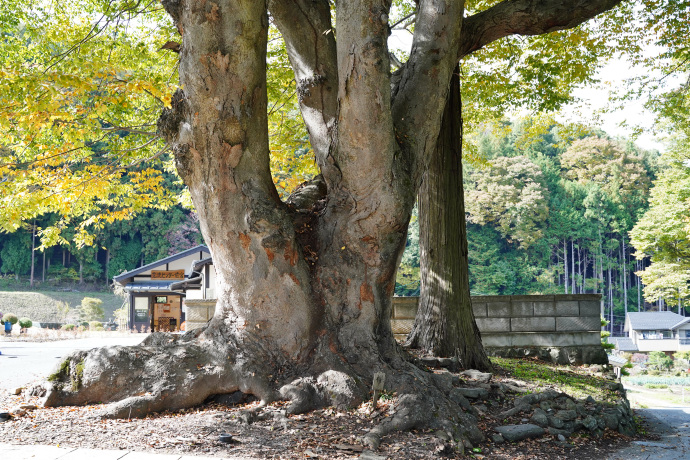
161	299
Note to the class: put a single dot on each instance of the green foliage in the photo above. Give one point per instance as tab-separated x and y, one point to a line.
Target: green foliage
91	310
655	386
67	327
77	109
659	360
94	325
25	323
605	335
407	282
10	317
646	379
16	253
663	232
682	354
511	195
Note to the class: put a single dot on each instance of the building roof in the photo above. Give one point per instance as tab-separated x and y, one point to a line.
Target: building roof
150	286
125	278
623	343
656	320
617	361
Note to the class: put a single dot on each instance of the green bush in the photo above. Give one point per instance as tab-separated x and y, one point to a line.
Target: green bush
11	317
94	325
659	360
91	309
25	323
68	327
655	386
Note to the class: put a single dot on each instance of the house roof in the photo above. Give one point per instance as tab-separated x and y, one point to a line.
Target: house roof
617	361
623	343
656	320
124	278
150	286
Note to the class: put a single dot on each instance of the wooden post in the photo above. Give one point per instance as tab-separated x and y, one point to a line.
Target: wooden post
377	386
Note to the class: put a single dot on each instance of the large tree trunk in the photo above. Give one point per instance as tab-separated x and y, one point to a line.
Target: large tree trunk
445	324
304	287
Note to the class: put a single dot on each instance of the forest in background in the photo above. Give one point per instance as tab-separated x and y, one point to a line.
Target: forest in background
550	210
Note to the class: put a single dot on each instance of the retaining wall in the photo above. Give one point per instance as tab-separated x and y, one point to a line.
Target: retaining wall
562	328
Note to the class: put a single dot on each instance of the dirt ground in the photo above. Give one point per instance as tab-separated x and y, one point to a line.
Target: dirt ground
324	434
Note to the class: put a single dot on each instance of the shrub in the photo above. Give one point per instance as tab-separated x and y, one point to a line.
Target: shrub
659	360
25	323
91	309
68	327
94	325
11	317
655	386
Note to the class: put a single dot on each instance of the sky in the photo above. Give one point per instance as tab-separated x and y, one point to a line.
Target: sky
595	100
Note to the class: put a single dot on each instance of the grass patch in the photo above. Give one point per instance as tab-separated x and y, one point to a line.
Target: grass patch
575	381
43	306
655	386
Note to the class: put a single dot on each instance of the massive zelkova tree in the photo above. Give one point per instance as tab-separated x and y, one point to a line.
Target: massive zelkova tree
304	286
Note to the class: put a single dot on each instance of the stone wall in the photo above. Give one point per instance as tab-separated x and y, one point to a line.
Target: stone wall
558	328
561	328
198	312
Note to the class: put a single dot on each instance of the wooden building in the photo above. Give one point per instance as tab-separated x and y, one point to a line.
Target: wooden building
157	291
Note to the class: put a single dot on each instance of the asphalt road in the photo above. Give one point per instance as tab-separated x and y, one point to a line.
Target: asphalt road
671	423
24	362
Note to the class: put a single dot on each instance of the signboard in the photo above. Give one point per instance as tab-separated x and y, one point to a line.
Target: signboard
141	316
167	275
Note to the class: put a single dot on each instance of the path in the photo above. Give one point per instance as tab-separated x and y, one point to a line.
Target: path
669	421
24	362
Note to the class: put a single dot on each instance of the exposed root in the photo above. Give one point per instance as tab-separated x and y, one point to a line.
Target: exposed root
169	372
164	373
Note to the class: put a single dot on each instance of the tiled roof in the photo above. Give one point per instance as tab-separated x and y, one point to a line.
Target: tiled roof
124	278
623	343
656	320
617	361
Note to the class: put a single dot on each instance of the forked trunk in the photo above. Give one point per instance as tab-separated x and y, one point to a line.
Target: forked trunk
304	287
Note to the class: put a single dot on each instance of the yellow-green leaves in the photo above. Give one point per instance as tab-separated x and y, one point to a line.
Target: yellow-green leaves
81	87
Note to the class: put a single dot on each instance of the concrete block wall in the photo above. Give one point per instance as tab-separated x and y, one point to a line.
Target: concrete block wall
198	312
523	321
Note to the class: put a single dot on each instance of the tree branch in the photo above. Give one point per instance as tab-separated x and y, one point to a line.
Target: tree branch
526	17
310	43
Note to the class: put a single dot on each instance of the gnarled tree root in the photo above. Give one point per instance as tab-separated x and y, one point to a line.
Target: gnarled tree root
168	372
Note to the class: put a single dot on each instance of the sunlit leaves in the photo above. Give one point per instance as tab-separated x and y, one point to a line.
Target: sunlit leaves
511	196
81	87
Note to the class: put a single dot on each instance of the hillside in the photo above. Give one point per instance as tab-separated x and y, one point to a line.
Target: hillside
43	306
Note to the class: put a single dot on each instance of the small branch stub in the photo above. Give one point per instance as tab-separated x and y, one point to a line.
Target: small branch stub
377	386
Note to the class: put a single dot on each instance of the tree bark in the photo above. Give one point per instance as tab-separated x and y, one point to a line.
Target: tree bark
33	253
566	280
304	286
445	324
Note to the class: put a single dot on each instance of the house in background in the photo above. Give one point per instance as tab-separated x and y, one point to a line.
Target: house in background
656	331
158	291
